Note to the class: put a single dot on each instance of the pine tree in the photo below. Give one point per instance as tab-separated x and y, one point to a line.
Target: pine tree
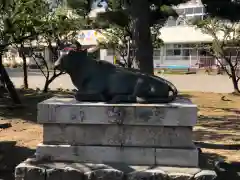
140	15
224	9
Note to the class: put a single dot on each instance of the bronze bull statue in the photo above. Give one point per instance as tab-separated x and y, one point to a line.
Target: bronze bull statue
102	81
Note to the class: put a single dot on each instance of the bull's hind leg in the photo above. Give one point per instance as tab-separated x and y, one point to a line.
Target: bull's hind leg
142	89
89	97
138	90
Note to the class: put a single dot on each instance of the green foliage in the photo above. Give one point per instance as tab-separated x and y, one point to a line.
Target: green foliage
60	27
123	17
118	12
20	19
118	39
224	9
159	11
155	30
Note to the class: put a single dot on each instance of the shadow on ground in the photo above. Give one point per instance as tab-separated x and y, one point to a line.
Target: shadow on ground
10	157
206	159
218	128
30	99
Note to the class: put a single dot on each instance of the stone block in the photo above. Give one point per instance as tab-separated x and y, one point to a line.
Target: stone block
29	171
179	157
113	135
126	155
69	111
86	171
96	154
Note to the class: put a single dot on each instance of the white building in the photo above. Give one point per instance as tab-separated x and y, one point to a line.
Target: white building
181	39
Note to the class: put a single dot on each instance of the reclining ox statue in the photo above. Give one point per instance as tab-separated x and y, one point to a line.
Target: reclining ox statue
102	81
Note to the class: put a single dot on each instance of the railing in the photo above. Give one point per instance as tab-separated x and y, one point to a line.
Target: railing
192	61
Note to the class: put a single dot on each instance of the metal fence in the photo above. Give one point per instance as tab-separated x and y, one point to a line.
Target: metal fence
192	61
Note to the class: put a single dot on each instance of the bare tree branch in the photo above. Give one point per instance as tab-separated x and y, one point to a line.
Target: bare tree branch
238	78
220	62
236	59
39	66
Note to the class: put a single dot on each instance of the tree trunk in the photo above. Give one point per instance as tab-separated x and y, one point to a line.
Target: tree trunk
10	87
46	86
140	12
25	71
234	80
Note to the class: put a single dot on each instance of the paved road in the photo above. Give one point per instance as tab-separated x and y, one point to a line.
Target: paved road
196	82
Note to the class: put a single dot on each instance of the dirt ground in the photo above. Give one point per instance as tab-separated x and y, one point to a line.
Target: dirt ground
219	122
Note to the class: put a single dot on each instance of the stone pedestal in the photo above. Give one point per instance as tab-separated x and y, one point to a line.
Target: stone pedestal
32	170
115	141
136	134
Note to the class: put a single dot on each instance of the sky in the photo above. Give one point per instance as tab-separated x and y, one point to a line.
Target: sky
99	4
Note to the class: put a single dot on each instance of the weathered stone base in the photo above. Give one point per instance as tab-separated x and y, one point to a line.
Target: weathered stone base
69	111
113	135
128	155
32	170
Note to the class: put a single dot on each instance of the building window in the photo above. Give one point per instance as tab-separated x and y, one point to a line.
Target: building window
173	52
180	51
177	52
169	52
110	52
157	52
189	10
186	52
198	10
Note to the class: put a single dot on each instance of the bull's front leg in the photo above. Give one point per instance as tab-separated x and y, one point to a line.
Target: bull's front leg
89	97
122	99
